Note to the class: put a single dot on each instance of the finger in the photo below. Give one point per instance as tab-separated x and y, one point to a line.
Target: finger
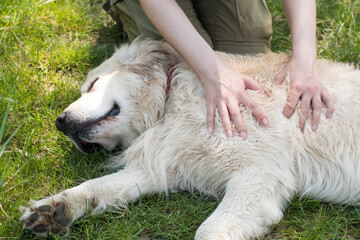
291	103
225	120
317	106
326	97
304	110
210	118
253	85
280	77
238	120
256	110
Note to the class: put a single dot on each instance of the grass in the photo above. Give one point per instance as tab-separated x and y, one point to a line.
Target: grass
46	49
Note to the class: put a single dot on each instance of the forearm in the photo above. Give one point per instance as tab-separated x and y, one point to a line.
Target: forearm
301	17
305	83
175	27
224	88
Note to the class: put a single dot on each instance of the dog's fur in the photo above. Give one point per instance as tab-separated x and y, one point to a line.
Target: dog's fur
169	148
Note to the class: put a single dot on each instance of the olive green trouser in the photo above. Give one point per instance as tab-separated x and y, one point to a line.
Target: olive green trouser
235	26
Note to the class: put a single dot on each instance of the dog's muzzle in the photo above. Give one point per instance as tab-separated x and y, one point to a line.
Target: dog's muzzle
75	131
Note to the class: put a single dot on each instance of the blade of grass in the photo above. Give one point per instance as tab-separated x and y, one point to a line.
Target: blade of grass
11	188
2	128
7	141
2	184
2	148
43	2
3	177
10	53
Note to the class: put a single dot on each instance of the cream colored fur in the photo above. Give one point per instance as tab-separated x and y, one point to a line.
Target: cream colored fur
169	148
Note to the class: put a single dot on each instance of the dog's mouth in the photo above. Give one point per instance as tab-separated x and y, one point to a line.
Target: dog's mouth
78	131
84	145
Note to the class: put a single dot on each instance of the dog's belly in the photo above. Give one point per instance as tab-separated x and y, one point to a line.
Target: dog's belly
328	165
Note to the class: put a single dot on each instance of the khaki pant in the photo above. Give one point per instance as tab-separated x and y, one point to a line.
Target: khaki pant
235	26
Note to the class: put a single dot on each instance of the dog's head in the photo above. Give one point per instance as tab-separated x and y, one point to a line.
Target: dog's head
121	98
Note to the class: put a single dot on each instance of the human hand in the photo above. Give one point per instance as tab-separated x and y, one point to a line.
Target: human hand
306	86
225	91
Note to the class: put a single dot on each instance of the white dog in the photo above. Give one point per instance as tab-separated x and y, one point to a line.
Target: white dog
126	101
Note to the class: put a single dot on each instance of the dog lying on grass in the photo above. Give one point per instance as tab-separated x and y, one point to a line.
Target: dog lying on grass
129	100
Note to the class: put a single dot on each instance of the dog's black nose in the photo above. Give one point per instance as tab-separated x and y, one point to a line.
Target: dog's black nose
60	122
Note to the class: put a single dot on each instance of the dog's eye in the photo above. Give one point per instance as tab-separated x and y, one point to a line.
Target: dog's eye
92	84
114	111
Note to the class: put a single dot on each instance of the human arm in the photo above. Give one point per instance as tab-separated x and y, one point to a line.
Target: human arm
224	88
305	83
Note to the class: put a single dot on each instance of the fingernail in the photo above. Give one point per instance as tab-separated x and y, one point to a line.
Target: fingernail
210	130
243	135
314	126
265	121
329	115
229	134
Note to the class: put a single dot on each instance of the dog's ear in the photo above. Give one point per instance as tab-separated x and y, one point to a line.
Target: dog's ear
148	52
164	55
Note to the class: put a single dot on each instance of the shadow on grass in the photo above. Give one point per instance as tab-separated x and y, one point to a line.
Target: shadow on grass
109	37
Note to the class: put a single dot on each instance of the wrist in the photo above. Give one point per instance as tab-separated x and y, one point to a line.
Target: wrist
304	49
209	69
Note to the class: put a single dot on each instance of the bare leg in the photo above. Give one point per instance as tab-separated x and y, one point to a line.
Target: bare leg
253	201
56	213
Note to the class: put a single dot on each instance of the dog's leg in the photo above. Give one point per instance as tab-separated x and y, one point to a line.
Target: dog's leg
253	201
56	213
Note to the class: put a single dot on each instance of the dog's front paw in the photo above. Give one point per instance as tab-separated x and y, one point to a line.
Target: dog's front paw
47	216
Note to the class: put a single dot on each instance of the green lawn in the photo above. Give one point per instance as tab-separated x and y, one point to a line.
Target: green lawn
46	49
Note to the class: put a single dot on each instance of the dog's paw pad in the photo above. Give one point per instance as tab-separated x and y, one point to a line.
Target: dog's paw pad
44	208
41	228
59	215
46	219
